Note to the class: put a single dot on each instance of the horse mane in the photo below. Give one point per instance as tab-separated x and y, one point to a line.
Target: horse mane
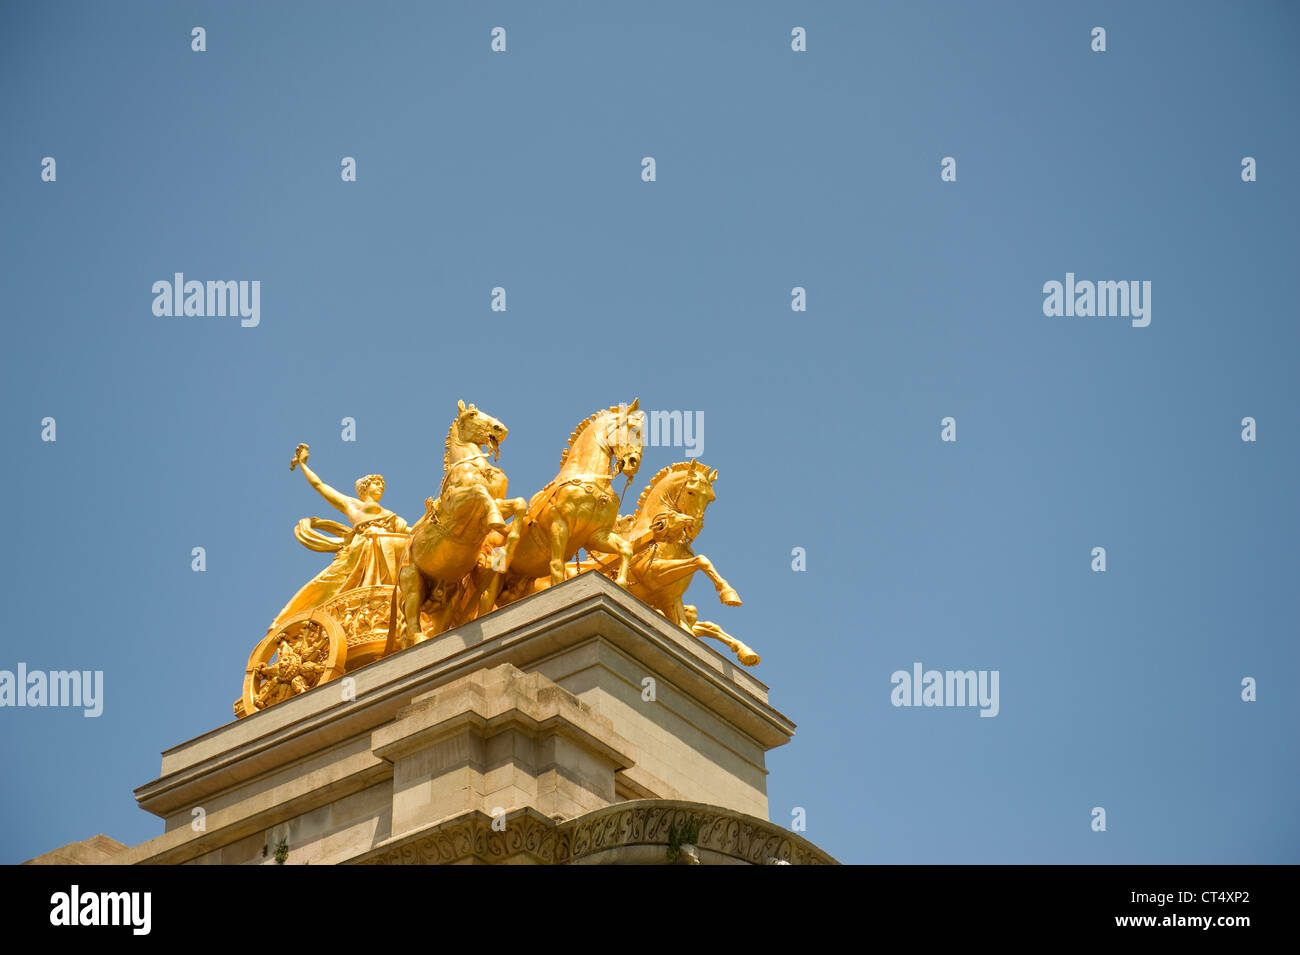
582	426
446	445
664	472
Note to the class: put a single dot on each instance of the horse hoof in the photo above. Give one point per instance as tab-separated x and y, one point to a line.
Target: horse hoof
729	597
748	657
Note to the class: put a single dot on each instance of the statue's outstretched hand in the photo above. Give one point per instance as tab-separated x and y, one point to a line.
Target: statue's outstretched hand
299	456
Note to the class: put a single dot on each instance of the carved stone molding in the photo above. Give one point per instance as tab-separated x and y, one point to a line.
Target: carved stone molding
472	838
651	821
616	834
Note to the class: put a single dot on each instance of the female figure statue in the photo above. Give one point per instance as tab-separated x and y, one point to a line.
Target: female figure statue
366	553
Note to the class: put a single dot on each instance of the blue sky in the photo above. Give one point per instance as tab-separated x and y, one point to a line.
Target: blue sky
775	169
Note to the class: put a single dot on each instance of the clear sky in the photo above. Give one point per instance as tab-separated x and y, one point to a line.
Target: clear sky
775	169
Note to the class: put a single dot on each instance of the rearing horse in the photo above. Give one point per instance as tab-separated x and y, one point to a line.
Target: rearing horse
579	508
446	543
669	514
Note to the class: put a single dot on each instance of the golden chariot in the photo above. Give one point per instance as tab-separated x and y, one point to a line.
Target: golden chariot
392	585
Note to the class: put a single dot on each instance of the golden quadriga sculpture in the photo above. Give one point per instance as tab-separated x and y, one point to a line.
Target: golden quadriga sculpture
392	585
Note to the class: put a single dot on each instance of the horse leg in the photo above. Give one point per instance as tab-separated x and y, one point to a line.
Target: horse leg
725	591
516	508
676	612
660	582
394	641
440	620
487	584
410	585
559	541
492	513
607	542
489	588
664	571
706	628
466	603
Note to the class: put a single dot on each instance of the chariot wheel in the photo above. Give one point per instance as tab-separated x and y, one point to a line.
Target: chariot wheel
307	650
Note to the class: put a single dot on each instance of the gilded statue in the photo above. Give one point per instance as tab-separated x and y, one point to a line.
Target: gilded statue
446	544
579	508
390	586
669	515
366	550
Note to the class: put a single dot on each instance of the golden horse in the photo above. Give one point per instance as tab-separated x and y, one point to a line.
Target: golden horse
578	509
669	515
446	543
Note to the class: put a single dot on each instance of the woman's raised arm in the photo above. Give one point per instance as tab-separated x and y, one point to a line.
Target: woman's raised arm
340	501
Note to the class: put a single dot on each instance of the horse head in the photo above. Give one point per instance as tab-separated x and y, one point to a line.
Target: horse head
673	527
474	428
684	488
621	433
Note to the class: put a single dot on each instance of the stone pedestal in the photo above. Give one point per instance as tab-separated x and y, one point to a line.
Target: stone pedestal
574	726
495	740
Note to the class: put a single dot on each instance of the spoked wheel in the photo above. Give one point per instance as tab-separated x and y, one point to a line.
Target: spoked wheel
307	650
